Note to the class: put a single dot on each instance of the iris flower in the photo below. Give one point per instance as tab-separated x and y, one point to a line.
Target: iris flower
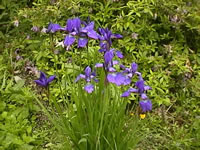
74	28
141	88
43	80
108	62
105	38
130	71
88	76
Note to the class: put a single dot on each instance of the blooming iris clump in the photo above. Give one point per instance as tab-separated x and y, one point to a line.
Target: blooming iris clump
81	31
43	80
88	76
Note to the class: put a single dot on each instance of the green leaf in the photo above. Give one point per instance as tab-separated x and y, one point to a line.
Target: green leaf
2	105
82	140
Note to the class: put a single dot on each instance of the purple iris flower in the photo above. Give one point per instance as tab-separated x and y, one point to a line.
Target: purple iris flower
108	62
43	80
145	105
53	28
105	38
141	88
88	76
113	52
130	71
74	28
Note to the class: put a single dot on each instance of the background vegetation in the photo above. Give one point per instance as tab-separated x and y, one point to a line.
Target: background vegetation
163	37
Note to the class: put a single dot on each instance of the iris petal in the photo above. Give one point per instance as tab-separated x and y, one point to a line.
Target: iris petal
82	42
134	67
119	54
92	34
50	79
87	71
145	105
125	94
89	88
39	82
80	76
69	40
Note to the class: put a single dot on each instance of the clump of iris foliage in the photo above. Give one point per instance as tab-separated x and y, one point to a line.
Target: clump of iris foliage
97	119
162	37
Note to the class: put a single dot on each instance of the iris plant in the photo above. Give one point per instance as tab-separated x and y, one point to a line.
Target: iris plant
82	31
43	80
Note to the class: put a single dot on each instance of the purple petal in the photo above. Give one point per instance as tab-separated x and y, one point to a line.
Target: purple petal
108	56
119	54
102	50
117	36
133	90
89	88
69	40
125	94
111	78
80	76
50	79
98	65
147	88
73	24
87	71
120	79
39	82
82	42
69	27
143	96
92	34
122	66
53	28
134	67
76	23
103	45
115	62
130	75
88	27
145	105
43	76
140	85
127	81
111	69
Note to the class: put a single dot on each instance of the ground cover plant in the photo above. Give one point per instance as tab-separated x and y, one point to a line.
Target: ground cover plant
43	75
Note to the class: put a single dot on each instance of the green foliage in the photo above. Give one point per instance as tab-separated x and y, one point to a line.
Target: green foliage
16	116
